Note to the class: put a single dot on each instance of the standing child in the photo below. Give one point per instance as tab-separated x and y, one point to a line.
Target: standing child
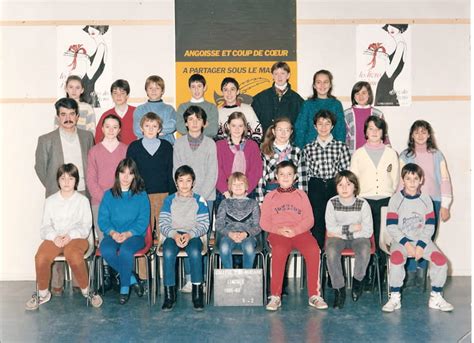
287	216
322	99
237	223
197	87
410	223
120	91
349	225
184	220
362	99
155	88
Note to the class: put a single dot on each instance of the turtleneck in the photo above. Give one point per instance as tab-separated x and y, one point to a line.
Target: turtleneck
375	146
422	148
375	152
196	101
151	144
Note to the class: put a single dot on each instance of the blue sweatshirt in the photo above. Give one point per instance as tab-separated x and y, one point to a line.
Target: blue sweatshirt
164	111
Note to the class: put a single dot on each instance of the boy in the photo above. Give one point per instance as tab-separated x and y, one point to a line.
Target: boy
279	100
197	86
155	88
410	222
120	91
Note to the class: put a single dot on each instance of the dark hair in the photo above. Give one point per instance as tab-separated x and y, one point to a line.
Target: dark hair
196	110
412	168
280	65
326	114
137	186
357	88
329	75
379	124
112	116
182	171
236	115
430	143
349	176
196	78
70	169
284	164
68	103
229	80
101	28
78	79
121	84
401	27
267	145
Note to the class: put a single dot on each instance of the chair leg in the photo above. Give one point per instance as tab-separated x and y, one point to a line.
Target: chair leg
323	274
148	277
377	270
302	272
425	281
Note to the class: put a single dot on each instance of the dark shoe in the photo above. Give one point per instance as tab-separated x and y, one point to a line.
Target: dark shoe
123	298
410	280
339	298
108	278
329	283
170	298
138	288
198	298
357	287
57	292
369	279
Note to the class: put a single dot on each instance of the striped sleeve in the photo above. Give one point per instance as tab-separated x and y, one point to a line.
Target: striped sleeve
202	218
430	223
392	220
166	227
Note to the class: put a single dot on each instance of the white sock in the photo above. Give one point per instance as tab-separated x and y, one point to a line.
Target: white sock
43	292
85	291
188	278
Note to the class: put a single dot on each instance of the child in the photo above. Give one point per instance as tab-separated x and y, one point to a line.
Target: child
362	99
287	216
66	224
324	157
279	100
237	223
197	86
184	220
322	99
74	89
349	225
410	223
120	91
230	91
155	88
275	148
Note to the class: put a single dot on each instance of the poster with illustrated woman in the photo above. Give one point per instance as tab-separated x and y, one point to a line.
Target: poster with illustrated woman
383	60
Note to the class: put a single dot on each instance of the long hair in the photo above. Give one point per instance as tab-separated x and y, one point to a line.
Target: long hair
267	145
137	186
78	79
430	143
237	115
329	75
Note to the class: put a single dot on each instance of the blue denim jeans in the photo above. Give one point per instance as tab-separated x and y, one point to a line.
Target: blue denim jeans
171	250
226	245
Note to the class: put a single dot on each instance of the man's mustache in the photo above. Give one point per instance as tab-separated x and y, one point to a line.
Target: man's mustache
68	122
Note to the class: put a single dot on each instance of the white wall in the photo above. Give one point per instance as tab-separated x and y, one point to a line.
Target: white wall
441	67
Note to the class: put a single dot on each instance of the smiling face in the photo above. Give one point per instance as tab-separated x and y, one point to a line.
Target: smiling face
151	128
126	179
238	188
322	85
420	136
236	129
286	177
324	127
362	97
74	89
110	128
373	133
345	189
67	119
282	132
230	93
412	183
280	76
197	90
184	184
154	91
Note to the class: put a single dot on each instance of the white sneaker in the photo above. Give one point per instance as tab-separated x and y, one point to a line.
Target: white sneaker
394	303
36	301
439	303
95	299
274	303
317	302
187	288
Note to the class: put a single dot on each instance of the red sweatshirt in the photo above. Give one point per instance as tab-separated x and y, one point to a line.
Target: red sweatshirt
126	134
291	209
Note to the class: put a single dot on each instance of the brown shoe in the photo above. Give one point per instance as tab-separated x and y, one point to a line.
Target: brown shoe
57	292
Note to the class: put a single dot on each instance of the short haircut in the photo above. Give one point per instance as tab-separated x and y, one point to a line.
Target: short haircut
137	186
197	78
237	176
326	114
182	171
229	80
112	116
151	116
120	84
412	168
68	103
155	79
379	124
101	28
198	111
401	27
236	115
284	164
356	89
349	176
281	65
71	170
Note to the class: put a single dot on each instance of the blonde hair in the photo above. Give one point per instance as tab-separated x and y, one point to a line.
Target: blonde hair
267	145
151	116
155	79
237	176
236	115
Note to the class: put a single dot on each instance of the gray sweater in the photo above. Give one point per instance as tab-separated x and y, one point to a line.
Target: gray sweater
212	117
238	215
340	218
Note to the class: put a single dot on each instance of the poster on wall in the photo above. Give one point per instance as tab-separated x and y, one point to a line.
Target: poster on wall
233	41
384	60
84	51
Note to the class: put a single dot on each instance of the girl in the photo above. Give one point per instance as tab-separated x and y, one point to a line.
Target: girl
322	99
64	230
124	216
102	161
230	91
287	216
349	225
362	99
237	223
74	89
236	153
276	148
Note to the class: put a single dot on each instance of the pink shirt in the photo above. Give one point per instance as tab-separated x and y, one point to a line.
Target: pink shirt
360	116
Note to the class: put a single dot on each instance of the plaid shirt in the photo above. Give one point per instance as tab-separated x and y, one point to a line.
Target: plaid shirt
324	163
269	171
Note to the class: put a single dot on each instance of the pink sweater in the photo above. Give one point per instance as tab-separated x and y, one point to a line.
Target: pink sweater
101	165
291	209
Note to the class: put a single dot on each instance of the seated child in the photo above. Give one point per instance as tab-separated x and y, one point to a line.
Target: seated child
237	223
349	225
410	223
288	217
